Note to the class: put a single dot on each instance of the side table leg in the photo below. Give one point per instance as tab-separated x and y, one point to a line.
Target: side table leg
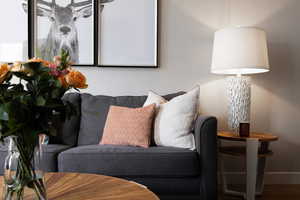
252	154
225	188
261	168
222	174
260	175
221	168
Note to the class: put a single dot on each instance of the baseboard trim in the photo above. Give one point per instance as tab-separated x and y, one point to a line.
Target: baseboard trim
270	177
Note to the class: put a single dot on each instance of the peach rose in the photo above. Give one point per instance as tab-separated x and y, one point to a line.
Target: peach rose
4	70
76	79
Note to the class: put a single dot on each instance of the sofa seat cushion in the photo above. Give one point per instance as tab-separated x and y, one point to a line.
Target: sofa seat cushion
125	161
50	153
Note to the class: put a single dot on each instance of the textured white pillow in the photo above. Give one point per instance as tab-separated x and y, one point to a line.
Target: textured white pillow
174	120
154	99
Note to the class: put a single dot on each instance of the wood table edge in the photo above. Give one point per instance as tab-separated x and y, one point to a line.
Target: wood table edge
141	186
238	138
48	175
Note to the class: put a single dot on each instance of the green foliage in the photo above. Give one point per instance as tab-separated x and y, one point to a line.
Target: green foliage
27	108
65	59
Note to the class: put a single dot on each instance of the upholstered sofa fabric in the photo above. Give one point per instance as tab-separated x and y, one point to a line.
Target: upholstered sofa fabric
50	154
94	111
67	132
126	161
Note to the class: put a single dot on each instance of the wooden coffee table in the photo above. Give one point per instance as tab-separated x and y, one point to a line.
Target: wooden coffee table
75	186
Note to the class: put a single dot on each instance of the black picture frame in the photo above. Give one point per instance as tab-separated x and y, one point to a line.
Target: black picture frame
96	15
32	25
31	28
157	42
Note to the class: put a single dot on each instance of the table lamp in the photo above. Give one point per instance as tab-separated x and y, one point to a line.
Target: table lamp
239	51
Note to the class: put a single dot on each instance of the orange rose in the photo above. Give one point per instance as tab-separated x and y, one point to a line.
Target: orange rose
39	60
63	81
4	70
76	79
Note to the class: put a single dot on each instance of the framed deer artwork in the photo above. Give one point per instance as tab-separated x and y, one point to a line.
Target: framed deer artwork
103	33
63	24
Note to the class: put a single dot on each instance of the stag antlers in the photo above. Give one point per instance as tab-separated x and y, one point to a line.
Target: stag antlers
88	2
80	4
73	4
106	1
46	3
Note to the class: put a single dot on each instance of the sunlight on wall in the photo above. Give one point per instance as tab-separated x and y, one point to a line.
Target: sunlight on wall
248	13
223	13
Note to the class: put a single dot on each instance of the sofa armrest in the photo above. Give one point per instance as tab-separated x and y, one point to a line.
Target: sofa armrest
206	145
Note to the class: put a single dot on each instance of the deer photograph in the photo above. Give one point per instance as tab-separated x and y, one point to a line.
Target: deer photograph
63	31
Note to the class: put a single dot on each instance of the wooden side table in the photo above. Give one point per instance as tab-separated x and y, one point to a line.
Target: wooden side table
255	156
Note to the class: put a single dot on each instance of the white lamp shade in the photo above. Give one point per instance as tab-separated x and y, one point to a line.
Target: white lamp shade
241	50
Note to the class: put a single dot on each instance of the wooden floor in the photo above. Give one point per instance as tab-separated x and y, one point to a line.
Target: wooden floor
274	192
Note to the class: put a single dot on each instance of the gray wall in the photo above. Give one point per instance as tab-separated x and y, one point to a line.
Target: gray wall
187	28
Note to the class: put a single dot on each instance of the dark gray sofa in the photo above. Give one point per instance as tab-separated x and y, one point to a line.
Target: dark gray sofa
171	173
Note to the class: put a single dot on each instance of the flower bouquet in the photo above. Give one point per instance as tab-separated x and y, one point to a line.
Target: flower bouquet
30	96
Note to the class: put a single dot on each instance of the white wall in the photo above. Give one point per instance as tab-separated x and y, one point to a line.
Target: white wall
13	34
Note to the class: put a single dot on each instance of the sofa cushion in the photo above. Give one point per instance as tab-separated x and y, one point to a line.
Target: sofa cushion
94	111
129	126
49	161
174	120
125	161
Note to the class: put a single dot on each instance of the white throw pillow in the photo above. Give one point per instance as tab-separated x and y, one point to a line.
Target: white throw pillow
154	99
174	120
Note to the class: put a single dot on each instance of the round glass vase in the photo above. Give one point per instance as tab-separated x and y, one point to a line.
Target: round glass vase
23	174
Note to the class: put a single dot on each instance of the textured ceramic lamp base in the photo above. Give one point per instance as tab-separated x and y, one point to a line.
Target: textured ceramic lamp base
239	97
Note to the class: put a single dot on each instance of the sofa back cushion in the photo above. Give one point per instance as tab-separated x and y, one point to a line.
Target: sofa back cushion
94	110
67	132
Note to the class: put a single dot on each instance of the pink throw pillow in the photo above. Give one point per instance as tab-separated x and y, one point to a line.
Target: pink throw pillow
129	126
